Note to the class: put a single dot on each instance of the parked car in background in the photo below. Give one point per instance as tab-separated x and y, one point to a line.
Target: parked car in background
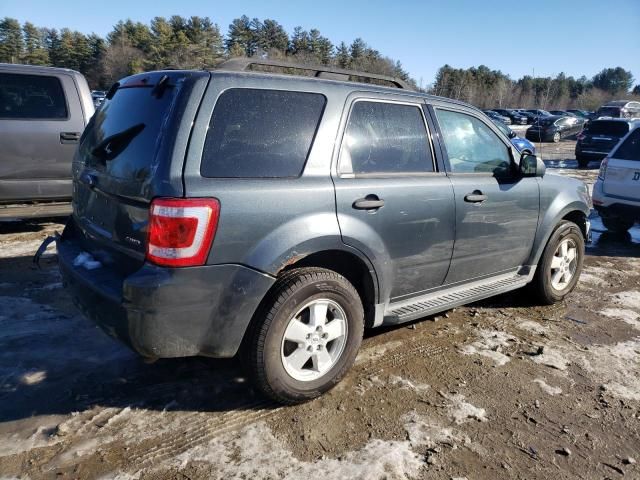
43	112
496	116
619	109
582	113
538	112
600	136
214	219
616	193
515	117
528	115
523	145
562	113
98	97
552	128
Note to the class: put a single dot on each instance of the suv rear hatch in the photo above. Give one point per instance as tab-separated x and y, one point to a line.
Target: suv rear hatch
603	135
131	152
623	169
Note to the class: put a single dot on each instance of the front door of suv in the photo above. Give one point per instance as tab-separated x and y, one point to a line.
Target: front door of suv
393	202
496	209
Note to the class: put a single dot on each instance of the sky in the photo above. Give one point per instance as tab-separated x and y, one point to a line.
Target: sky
536	37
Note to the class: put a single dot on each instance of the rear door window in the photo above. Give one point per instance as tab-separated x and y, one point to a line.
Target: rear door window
385	138
257	133
32	97
630	148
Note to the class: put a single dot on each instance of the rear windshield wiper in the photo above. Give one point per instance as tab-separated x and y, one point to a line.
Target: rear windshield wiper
114	145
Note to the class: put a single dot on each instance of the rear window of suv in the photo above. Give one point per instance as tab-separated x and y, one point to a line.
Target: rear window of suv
630	148
256	133
603	127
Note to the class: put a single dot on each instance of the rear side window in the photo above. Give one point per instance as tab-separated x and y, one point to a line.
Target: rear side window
383	138
31	97
616	129
261	133
630	148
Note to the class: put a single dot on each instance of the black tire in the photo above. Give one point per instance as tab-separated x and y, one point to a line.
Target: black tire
582	161
264	344
542	286
617	225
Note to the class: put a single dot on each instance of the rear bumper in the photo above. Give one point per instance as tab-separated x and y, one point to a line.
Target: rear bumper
167	312
612	206
590	154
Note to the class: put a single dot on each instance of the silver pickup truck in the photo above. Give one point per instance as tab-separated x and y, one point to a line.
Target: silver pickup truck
43	112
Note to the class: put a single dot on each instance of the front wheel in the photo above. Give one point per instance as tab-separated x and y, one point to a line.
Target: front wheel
306	336
617	225
561	264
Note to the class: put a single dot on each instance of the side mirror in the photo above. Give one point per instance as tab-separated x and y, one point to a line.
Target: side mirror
512	134
531	166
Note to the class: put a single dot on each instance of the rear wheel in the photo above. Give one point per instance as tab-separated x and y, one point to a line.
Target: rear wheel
561	264
306	336
615	224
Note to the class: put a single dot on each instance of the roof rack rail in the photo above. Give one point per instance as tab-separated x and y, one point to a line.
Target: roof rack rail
321	71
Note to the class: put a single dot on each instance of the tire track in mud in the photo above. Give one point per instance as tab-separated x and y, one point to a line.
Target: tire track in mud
174	432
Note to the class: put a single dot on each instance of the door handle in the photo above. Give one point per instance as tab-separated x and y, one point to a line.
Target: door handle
69	137
370	202
475	197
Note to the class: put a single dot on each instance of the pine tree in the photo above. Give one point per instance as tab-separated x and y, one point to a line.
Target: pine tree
240	36
342	56
11	41
35	52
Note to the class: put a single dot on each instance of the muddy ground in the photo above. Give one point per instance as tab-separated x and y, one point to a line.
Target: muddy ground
499	389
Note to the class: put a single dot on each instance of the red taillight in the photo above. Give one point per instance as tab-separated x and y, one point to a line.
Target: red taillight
181	230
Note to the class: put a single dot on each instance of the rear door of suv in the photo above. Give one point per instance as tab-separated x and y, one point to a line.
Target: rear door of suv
496	209
393	200
41	120
623	169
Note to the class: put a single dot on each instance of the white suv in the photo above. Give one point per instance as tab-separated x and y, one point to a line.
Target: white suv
616	194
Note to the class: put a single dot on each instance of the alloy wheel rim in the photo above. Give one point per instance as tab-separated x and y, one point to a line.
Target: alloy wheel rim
314	339
564	264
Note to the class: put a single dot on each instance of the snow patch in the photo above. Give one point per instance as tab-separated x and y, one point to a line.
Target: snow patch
630	299
426	433
257	453
552	358
616	367
407	384
461	411
490	344
628	316
546	388
21	248
533	327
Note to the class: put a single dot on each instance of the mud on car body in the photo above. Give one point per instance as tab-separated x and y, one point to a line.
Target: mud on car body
275	217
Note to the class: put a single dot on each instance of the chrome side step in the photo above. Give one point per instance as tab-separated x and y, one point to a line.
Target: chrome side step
434	302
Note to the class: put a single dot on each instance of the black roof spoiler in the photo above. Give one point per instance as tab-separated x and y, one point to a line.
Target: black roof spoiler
320	71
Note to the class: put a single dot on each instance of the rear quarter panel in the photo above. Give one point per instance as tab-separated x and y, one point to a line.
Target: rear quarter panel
270	223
